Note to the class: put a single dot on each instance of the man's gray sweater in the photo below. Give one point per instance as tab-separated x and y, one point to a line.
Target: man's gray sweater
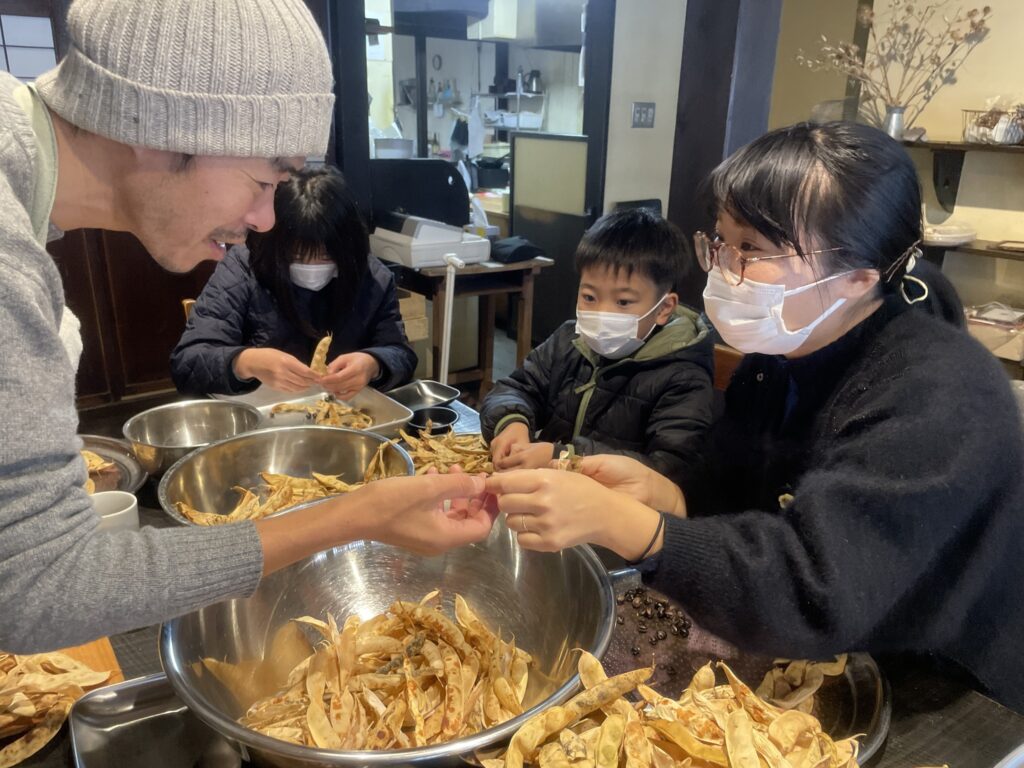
63	582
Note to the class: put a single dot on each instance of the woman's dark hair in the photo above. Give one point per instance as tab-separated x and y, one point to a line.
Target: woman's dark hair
316	215
846	185
635	240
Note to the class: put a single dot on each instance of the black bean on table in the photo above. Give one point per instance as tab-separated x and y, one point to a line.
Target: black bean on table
635	650
661	634
654	640
619	620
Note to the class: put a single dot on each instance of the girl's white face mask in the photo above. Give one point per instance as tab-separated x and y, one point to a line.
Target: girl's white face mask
612	334
312	276
749	315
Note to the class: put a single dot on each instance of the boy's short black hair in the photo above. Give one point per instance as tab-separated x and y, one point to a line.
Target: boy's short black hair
635	240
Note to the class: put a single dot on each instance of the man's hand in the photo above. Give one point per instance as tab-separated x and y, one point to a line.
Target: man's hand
411	513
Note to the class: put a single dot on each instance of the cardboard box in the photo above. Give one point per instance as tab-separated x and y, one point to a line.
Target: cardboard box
416	328
411	304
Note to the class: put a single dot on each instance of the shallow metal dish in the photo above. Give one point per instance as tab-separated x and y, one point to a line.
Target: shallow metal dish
129	475
162	435
551	603
205	479
141	722
423	393
388	416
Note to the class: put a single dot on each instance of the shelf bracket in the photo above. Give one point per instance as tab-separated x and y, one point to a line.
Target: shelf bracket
947	166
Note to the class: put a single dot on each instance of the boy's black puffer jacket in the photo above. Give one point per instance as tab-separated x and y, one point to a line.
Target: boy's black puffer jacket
654	405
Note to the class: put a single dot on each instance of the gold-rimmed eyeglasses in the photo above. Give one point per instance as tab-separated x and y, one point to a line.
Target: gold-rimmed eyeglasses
732	263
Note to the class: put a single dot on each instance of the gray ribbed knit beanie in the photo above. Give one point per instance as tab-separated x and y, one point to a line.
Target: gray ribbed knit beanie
245	78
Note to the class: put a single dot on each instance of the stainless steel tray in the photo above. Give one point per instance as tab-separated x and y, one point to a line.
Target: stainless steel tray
857	703
129	475
142	723
388	416
423	393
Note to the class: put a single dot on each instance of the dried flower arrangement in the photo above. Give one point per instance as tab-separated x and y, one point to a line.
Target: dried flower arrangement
913	51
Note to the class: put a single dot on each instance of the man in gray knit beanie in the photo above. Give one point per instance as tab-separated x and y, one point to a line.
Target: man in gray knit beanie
173	120
235	92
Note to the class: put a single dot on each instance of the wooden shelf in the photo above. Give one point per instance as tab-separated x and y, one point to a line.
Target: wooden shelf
980	248
963	146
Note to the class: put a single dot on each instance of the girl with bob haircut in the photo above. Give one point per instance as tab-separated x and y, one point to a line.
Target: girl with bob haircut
863	490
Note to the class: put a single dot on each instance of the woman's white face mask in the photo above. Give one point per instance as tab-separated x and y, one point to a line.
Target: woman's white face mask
749	315
313	276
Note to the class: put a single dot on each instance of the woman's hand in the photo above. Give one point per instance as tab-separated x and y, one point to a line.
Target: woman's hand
277	369
347	374
551	510
529	456
636	480
513	435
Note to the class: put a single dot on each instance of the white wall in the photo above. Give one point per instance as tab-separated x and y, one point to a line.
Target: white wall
648	50
991	196
459	62
796	89
560	79
379	80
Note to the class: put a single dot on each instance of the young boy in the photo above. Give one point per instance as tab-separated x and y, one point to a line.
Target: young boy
632	374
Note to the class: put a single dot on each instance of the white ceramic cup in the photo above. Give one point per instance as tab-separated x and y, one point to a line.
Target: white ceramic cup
118	510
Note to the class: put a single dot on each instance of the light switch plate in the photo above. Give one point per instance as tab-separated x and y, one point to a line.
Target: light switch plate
643	114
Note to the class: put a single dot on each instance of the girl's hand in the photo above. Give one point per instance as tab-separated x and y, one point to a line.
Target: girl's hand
277	369
347	374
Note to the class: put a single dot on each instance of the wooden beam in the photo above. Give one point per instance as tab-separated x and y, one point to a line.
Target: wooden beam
347	44
725	85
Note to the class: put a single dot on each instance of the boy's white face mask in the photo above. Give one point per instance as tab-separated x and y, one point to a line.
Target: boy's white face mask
749	315
613	334
312	276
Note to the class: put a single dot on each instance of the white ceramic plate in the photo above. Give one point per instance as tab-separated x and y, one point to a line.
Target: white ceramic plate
948	234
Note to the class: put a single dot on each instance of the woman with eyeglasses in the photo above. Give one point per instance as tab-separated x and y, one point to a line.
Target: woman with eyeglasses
864	486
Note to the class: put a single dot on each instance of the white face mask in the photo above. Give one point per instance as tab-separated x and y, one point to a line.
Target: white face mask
612	334
313	276
749	315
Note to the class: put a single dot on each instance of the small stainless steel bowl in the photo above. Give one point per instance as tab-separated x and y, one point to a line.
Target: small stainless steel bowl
551	603
441	418
206	478
163	435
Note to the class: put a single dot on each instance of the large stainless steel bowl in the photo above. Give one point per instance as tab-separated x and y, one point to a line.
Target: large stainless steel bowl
162	435
206	478
551	603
